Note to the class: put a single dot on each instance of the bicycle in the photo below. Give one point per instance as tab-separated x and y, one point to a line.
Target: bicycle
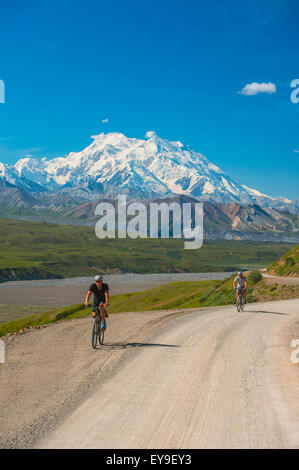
97	331
240	300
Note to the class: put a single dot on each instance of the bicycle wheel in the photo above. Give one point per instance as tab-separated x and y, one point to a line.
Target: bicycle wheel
94	335
238	304
101	335
242	304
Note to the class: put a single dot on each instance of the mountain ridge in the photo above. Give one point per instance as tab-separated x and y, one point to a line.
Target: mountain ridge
150	168
70	187
221	221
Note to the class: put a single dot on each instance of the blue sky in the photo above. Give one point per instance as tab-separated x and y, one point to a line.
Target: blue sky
174	67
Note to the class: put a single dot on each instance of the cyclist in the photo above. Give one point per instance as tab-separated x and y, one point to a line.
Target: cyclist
100	292
240	283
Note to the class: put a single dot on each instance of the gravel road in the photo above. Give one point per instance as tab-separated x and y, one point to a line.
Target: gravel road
288	281
166	379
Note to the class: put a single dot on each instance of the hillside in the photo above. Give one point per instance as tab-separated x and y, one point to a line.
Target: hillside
287	265
221	221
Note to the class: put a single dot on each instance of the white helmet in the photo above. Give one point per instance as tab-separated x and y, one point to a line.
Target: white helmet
98	277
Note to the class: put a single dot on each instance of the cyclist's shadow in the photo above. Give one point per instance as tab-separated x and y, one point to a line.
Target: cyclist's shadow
135	345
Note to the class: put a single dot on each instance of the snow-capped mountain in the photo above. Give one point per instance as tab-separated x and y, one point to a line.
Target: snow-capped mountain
114	164
267	201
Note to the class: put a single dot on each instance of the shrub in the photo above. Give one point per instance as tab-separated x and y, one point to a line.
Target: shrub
254	277
273	287
290	261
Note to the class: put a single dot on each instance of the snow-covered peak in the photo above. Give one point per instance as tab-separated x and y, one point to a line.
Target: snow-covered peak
113	139
7	173
258	194
148	167
29	162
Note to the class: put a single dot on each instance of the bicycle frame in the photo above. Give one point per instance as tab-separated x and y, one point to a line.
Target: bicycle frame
97	330
240	299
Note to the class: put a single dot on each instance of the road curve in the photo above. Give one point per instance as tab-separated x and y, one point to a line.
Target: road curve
210	379
290	281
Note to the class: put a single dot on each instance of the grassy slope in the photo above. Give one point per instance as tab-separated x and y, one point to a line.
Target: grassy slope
12	312
287	265
168	296
36	250
172	295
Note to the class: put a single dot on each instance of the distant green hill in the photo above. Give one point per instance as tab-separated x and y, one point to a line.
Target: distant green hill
40	250
287	265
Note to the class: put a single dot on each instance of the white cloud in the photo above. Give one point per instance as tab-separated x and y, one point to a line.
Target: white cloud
296	151
105	120
149	134
254	88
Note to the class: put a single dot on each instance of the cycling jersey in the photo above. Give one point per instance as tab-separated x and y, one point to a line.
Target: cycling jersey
240	281
98	294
